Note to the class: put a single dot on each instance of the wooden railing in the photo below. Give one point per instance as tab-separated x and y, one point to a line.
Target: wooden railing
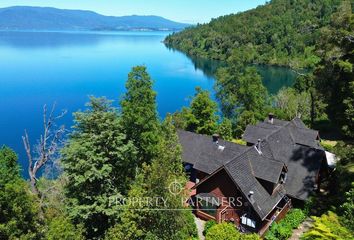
204	216
275	217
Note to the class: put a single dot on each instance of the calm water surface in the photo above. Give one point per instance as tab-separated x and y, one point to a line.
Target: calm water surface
39	68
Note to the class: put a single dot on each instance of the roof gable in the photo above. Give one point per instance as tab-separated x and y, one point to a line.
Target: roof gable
292	143
240	170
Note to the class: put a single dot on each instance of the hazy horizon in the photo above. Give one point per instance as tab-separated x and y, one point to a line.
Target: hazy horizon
183	11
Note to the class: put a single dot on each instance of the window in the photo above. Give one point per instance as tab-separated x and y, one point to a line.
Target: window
283	177
248	221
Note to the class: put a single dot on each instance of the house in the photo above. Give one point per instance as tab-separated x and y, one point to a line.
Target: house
254	185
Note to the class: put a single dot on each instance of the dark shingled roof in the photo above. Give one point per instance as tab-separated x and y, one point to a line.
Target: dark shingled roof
253	133
243	164
283	143
244	169
292	143
204	154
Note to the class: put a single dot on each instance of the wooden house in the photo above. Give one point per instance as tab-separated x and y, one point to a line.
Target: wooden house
254	185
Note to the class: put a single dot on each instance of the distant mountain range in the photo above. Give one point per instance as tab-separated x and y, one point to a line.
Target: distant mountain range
45	18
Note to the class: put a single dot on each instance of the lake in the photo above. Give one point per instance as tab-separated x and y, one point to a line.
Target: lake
38	68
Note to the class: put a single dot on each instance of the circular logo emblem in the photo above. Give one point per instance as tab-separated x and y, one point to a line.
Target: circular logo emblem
175	187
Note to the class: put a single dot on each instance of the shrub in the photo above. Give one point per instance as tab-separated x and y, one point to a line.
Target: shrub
209	224
223	231
327	227
328	145
295	218
348	209
284	229
228	231
279	231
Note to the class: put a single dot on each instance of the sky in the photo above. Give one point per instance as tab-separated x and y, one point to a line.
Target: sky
188	11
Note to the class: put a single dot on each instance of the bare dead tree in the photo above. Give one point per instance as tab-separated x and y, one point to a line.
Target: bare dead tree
47	147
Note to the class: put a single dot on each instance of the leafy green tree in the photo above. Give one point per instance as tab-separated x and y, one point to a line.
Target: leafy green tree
239	88
244	119
61	228
19	215
139	114
141	220
225	129
334	76
180	118
9	169
293	104
53	197
202	117
305	85
99	164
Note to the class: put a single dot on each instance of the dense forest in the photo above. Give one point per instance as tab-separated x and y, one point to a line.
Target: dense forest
314	38
282	32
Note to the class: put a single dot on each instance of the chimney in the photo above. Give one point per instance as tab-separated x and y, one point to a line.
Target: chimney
270	118
258	146
216	138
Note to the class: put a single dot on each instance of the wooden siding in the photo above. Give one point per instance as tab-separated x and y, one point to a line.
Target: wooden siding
222	187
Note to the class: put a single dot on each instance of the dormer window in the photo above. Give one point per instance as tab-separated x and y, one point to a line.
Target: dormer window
283	175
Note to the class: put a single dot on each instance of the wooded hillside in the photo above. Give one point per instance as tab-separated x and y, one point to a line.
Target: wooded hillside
282	32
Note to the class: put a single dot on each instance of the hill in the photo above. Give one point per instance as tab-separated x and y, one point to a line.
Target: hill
281	32
45	18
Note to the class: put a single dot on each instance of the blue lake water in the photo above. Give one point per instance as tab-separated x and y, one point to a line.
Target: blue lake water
38	68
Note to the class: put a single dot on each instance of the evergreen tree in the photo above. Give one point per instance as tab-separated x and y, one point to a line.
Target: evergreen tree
139	116
99	163
159	221
201	117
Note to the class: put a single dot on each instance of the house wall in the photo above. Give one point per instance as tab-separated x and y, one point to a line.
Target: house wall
222	187
201	175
